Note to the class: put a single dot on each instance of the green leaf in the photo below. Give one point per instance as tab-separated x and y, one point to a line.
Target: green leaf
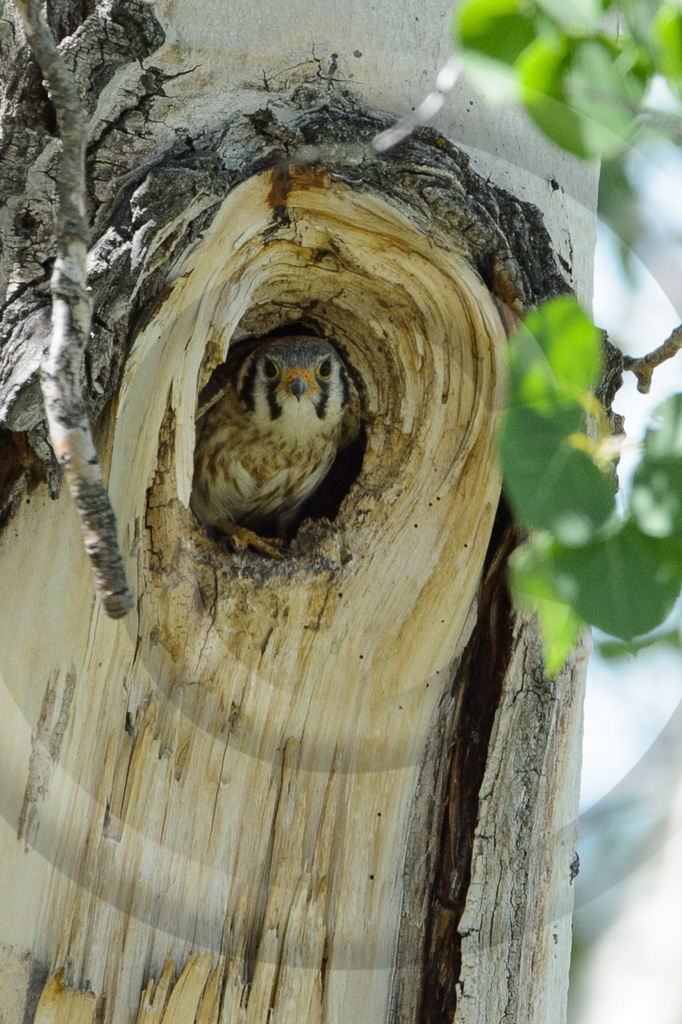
531	379
497	28
532	586
555	357
551	481
639	17
619	206
664	437
573	13
569	340
615	650
550	484
666	31
657	483
583	92
541	69
657	497
625	584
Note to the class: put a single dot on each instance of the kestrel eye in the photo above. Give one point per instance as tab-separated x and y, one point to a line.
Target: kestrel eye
270	369
324	370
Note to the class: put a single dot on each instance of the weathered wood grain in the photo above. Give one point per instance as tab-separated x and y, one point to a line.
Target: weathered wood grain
278	713
269	797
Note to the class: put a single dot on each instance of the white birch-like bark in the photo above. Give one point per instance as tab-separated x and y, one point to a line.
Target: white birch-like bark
70	432
243	804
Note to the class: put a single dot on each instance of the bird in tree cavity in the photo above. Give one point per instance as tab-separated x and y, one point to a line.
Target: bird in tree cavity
270	436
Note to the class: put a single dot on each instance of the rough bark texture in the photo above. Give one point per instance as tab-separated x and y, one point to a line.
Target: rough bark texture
206	809
106	43
161	213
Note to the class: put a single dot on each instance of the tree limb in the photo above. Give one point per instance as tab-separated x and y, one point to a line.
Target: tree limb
60	372
644	367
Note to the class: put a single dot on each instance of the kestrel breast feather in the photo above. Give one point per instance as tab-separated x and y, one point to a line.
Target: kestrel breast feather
271	437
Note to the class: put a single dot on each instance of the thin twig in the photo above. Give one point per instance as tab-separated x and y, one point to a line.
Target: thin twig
60	373
644	367
425	112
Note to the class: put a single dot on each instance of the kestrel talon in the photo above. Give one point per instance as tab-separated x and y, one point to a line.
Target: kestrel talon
270	437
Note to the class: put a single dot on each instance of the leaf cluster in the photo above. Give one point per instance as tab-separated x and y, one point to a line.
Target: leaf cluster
582	67
585	563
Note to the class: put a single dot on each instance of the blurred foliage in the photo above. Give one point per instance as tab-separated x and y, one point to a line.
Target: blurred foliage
584	70
616	650
620	207
582	67
584	563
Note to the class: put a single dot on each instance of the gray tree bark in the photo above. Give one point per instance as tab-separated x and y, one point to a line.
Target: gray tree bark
337	788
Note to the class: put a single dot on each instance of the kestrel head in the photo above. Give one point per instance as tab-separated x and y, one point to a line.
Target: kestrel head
297	380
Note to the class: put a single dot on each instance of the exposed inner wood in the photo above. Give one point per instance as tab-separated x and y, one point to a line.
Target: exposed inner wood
238	766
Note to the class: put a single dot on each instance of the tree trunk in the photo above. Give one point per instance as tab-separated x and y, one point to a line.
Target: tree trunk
336	787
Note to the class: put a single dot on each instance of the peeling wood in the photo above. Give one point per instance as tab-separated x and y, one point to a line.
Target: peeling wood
271	791
60	1004
45	746
274	730
155	998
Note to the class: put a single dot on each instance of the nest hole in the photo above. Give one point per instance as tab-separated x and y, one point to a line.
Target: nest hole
326	501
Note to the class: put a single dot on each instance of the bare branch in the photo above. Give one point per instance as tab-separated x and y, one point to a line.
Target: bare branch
644	367
60	373
426	110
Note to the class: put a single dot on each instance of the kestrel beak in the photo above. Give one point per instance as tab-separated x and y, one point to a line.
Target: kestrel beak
297	382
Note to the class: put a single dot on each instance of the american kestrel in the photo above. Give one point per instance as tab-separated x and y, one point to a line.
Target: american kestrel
270	437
